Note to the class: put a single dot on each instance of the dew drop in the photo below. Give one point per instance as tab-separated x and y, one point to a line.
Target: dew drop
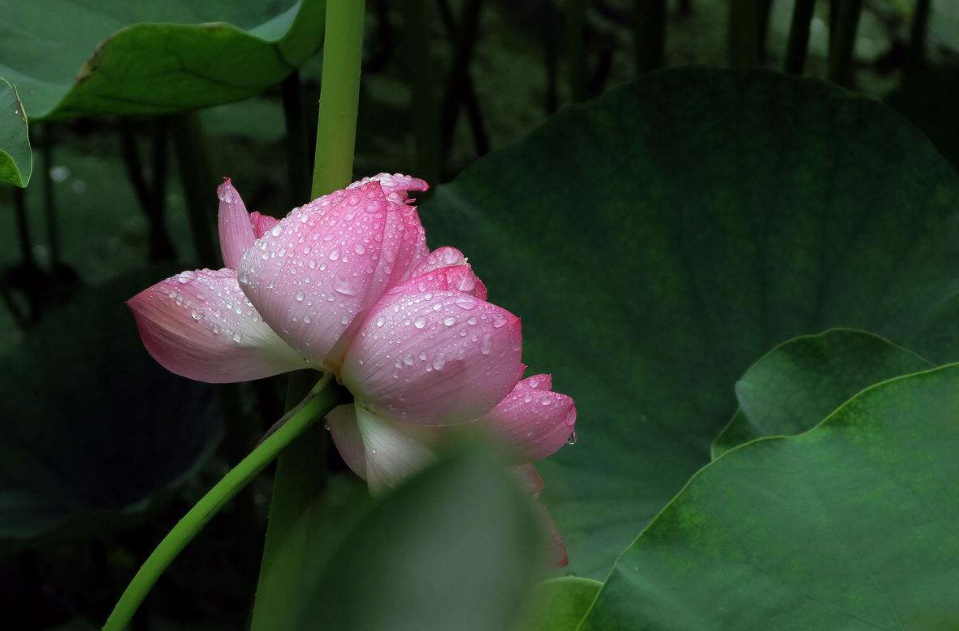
449	320
572	439
487	345
343	286
299	296
419	322
465	303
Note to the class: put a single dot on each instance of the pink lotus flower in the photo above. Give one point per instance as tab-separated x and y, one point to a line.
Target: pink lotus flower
347	284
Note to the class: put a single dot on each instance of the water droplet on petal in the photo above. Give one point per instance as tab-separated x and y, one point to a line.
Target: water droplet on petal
449	320
419	322
572	439
185	277
343	286
487	345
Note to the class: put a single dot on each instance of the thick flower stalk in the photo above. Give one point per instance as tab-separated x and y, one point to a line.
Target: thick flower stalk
347	284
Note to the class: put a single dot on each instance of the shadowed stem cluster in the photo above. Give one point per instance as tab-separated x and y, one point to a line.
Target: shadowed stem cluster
321	399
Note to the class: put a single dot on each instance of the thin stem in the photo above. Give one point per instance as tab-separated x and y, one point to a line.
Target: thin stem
798	44
576	48
649	34
424	108
550	31
763	12
841	53
917	35
23	228
198	184
459	86
297	148
743	33
318	403
339	96
49	199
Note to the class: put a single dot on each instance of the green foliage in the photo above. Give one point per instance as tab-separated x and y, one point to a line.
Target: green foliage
453	549
75	57
95	432
660	239
16	158
560	604
849	526
305	519
798	383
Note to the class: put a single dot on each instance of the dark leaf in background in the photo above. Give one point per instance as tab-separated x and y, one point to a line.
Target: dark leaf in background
929	97
660	239
94	431
798	383
454	549
849	526
16	158
94	57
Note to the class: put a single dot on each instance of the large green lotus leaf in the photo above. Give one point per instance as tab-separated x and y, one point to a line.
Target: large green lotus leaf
849	526
89	57
95	432
16	157
798	383
456	549
658	241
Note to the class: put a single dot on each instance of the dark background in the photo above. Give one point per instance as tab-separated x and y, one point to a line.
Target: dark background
102	451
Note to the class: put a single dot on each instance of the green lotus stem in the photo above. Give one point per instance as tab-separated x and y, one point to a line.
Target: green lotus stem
576	48
49	199
426	118
916	56
798	44
315	406
649	34
339	95
743	33
844	41
297	143
198	184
